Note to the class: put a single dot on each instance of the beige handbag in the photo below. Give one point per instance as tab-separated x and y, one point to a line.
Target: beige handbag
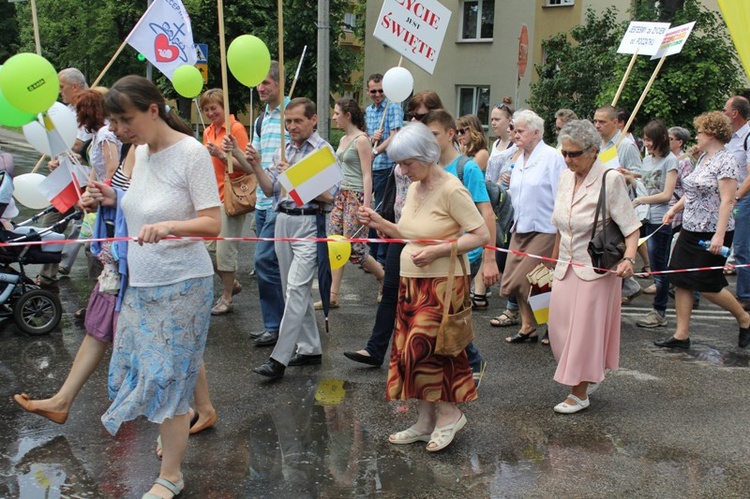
456	330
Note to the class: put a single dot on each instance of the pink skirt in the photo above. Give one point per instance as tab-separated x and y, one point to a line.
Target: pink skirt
584	327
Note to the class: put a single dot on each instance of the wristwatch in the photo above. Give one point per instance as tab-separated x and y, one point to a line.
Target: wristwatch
375	151
631	260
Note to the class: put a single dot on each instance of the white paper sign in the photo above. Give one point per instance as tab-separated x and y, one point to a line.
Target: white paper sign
414	29
674	40
646	37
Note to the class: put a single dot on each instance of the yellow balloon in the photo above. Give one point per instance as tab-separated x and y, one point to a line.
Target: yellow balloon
338	251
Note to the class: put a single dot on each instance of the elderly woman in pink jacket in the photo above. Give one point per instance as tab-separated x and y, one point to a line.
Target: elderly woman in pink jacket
584	320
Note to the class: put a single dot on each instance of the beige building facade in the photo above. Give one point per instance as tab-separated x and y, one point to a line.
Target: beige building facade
477	66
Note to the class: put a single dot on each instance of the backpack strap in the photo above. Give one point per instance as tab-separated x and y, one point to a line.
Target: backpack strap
462	160
747	137
259	123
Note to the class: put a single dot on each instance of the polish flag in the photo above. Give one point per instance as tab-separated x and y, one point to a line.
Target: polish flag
62	187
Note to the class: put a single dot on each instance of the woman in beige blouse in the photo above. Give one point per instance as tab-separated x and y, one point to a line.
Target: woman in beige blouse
584	319
437	206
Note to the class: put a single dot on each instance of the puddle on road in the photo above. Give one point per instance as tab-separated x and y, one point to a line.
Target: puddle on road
705	355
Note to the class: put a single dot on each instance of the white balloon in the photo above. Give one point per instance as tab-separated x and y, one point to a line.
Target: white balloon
58	135
26	191
398	84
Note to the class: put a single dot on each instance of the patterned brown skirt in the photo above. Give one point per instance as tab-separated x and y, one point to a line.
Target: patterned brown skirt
415	372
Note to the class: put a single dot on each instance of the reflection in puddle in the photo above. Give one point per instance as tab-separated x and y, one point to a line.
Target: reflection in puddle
713	356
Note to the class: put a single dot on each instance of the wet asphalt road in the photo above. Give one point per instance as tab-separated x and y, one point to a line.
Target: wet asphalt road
668	424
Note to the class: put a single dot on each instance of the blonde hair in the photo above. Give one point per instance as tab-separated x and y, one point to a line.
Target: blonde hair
476	140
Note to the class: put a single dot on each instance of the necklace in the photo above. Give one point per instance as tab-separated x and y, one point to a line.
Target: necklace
422	192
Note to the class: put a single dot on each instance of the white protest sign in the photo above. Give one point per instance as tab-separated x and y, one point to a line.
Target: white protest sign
674	40
646	37
414	29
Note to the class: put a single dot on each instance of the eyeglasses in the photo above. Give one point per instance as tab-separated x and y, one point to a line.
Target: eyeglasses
462	131
673	138
571	154
376	91
416	116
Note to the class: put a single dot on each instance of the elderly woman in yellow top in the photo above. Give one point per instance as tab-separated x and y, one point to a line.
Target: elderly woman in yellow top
437	206
584	318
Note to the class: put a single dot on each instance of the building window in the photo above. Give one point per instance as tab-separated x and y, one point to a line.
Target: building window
560	3
477	19
474	100
350	22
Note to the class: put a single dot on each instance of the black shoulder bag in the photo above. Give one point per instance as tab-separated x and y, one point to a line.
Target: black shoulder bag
607	247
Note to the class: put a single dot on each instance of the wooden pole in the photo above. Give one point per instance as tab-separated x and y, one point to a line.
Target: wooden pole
625	78
35	22
109	64
224	81
281	76
38	163
640	101
296	74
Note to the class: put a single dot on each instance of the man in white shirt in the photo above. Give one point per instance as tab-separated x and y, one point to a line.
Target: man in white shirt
737	108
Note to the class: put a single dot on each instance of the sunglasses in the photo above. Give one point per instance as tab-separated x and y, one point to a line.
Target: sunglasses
376	91
571	154
462	131
416	116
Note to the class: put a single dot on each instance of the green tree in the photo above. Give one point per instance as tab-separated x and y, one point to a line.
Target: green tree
585	73
8	30
86	33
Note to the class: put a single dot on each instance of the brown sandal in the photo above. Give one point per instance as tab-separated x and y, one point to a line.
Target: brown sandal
507	318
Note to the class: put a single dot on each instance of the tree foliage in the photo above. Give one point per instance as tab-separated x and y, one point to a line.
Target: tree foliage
584	71
86	33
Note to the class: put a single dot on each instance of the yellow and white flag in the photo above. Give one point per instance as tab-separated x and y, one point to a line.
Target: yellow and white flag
540	306
609	158
311	176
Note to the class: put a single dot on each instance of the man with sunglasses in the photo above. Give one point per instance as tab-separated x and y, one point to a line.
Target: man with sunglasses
380	130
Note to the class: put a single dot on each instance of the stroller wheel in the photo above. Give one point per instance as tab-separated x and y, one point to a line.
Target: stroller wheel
37	312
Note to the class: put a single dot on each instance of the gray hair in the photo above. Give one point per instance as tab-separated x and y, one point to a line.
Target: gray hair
680	133
532	120
582	133
73	76
273	72
414	141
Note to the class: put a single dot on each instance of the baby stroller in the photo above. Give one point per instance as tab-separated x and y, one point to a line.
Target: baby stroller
35	311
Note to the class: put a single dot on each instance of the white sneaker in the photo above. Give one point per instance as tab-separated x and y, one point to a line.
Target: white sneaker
578	405
652	319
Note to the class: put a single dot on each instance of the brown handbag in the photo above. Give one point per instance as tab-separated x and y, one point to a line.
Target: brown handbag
239	194
455	331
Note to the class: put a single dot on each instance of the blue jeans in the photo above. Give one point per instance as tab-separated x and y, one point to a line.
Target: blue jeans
658	255
379	178
742	247
385	318
267	270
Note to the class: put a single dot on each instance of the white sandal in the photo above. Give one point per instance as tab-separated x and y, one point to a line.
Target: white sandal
174	488
408	436
443	435
578	405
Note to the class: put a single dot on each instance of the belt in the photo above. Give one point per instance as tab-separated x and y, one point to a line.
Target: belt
298	211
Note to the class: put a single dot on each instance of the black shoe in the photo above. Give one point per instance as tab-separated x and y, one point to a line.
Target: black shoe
299	359
267	339
364	359
744	337
672	342
257	334
271	368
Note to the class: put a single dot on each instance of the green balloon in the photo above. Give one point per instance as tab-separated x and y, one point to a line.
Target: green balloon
187	81
29	82
9	115
249	60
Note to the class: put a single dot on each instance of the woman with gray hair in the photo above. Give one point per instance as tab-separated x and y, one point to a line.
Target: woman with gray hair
533	184
438	207
584	312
